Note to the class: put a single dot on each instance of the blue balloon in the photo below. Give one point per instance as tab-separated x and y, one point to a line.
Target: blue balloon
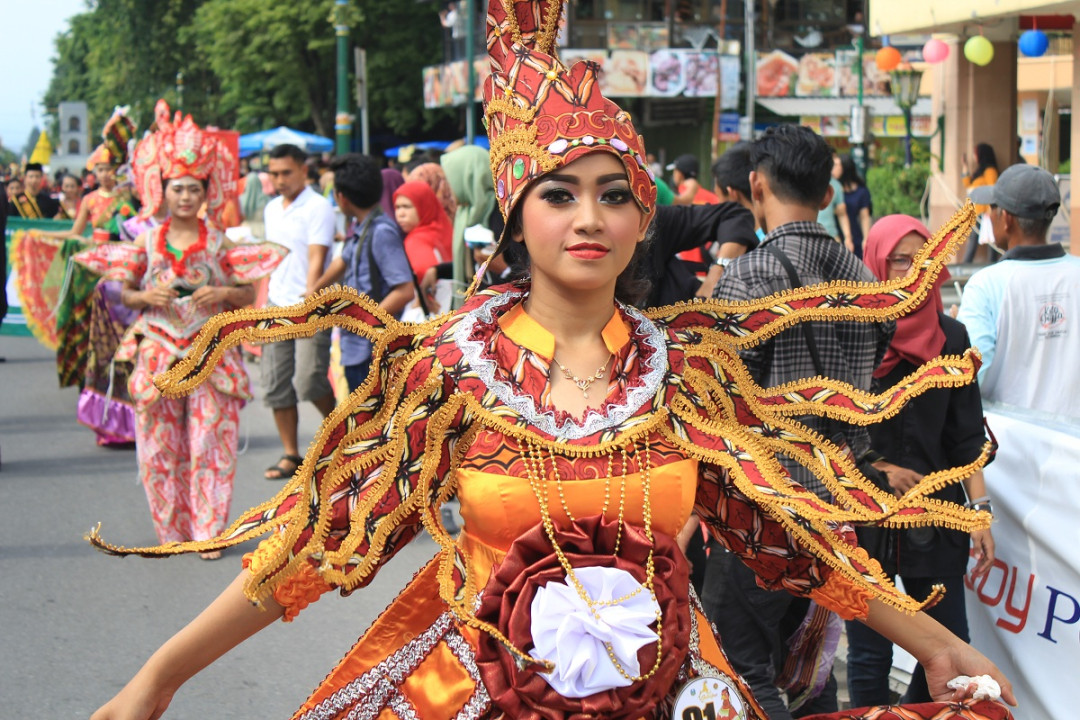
1034	43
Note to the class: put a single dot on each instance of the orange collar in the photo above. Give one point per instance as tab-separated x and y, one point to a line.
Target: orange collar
526	332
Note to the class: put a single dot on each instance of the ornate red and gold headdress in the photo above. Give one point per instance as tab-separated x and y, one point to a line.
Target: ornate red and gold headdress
117	133
541	115
179	148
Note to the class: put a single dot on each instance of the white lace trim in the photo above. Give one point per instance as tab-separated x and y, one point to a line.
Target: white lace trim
367	696
612	415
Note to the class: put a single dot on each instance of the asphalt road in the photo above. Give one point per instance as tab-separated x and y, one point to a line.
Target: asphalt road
76	624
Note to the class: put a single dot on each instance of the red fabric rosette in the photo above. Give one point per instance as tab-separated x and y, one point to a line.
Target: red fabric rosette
531	563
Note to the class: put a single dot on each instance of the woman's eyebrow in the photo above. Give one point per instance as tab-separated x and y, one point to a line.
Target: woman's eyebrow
576	180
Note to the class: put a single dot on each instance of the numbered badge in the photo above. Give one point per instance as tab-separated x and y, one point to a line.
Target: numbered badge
708	698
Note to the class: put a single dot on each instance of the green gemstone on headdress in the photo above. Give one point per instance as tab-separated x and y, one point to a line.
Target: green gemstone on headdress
519	168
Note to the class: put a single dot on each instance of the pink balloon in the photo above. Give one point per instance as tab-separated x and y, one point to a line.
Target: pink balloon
935	51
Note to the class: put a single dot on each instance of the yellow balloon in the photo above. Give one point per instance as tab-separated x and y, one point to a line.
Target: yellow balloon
979	50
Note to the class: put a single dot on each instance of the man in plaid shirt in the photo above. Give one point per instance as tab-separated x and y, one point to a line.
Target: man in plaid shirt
789	185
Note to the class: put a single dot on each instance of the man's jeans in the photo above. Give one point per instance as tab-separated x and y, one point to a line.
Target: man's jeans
751	623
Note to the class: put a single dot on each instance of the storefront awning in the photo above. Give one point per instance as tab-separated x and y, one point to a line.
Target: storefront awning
833	107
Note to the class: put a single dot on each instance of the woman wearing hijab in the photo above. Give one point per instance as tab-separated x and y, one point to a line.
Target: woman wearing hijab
391	181
941	428
432	174
468	170
427	230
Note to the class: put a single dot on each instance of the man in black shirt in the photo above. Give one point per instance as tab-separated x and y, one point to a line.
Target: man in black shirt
38	201
684	227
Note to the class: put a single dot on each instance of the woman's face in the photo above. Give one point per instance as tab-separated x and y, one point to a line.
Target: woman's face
106	175
184	196
899	259
406	215
837	167
70	187
581	224
14	189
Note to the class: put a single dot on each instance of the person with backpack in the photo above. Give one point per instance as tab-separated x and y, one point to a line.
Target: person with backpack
373	260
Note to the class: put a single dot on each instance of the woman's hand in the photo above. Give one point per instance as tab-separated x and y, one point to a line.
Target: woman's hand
901	479
427	286
982	542
141	699
210	295
159	296
959	658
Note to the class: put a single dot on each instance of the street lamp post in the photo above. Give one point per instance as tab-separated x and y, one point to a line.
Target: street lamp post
343	120
905	83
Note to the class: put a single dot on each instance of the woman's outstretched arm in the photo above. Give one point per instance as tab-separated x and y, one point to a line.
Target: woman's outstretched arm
942	654
229	620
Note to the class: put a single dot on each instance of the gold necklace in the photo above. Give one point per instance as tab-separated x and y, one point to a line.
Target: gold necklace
533	460
584	384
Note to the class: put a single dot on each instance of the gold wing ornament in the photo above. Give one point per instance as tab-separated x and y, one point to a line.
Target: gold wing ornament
383	462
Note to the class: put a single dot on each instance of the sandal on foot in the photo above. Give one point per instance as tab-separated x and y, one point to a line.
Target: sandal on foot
211	555
277	472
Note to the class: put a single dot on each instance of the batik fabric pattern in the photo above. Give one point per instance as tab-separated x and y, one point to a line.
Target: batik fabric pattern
453	402
186	446
75	309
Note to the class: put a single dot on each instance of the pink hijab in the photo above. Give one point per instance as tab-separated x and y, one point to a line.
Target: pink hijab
919	336
433	175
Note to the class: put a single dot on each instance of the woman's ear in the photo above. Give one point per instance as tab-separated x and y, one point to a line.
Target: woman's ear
643	226
517	231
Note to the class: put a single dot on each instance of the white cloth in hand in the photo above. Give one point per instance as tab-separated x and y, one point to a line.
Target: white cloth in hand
987	687
565	631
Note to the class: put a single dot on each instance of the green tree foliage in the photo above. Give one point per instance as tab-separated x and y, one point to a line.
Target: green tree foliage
389	31
247	64
128	52
275	62
895	188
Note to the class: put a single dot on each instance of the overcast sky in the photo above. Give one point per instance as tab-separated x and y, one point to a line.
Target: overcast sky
27	30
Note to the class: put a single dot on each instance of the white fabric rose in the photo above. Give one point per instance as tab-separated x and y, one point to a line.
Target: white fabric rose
565	631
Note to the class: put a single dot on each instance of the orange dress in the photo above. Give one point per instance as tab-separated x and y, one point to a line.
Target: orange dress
458	407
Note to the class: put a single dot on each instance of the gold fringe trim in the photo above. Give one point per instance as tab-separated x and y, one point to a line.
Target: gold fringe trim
321	311
909	290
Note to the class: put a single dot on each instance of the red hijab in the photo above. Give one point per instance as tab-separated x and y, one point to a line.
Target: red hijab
429	243
919	336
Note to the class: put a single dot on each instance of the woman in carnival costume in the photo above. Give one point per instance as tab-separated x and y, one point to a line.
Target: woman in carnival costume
558	415
177	276
65	308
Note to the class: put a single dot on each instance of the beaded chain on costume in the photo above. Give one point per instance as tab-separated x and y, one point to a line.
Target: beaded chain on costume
391	448
533	459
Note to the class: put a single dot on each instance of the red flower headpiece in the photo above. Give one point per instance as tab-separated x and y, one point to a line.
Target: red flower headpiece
541	115
179	148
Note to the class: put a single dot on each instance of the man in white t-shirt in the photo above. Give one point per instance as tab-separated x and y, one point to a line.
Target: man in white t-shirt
294	370
1023	313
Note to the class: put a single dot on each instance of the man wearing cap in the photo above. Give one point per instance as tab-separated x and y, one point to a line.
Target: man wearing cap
688	190
1023	313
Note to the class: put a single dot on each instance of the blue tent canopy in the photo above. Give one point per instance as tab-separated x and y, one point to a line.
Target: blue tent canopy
257	142
479	140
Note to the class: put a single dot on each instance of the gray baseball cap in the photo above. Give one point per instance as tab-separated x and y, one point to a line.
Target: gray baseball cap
1025	191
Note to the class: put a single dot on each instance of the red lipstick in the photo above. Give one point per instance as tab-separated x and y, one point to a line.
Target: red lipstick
588	251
